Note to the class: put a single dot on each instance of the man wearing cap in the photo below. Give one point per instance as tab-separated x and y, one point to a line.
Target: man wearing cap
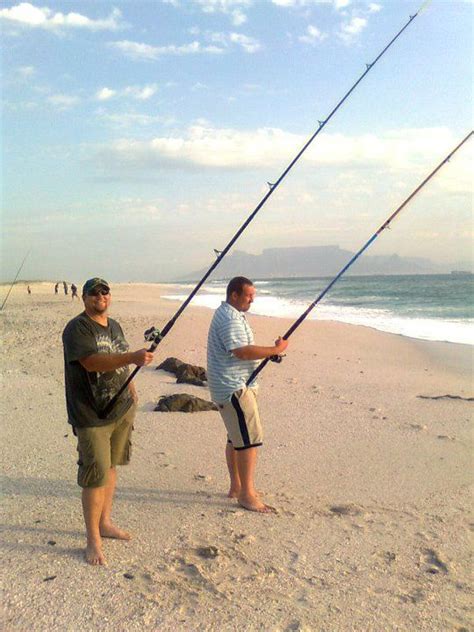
96	360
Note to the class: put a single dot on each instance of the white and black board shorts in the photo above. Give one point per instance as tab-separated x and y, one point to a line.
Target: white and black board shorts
242	419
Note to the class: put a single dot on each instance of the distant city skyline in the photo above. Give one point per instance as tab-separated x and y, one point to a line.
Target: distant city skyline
138	136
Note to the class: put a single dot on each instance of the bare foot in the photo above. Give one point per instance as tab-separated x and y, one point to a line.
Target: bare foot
253	503
94	555
111	531
235	493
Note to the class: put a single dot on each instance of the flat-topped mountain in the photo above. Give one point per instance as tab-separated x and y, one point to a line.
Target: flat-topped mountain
314	261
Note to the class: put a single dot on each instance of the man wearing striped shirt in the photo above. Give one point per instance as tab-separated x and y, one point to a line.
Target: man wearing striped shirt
232	356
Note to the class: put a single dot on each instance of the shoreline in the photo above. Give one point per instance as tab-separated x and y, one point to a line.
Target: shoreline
390	323
465	352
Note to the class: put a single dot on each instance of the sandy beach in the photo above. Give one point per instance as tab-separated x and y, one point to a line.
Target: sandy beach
369	468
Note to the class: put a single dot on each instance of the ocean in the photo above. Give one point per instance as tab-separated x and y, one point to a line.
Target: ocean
429	307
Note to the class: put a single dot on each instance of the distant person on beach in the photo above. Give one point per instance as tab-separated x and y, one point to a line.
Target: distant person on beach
28	289
56	288
232	356
74	291
96	360
65	287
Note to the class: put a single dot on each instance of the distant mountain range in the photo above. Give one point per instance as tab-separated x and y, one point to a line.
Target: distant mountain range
322	261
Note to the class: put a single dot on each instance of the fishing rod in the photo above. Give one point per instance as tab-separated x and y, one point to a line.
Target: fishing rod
14	280
385	225
155	336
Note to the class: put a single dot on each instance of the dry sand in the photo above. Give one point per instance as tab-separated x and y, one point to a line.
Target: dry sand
372	485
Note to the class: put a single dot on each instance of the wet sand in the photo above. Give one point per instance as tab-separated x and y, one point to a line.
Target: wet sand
373	485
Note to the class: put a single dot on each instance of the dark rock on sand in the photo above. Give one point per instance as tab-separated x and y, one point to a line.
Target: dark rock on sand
170	364
184	403
191	380
191	374
185	373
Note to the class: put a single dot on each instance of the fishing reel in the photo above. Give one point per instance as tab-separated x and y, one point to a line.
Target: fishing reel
152	335
277	358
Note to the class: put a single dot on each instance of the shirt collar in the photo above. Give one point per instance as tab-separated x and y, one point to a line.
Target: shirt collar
229	307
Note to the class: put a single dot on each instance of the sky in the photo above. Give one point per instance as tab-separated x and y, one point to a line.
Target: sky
137	136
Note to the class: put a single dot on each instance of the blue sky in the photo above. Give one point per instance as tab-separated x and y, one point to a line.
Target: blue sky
137	136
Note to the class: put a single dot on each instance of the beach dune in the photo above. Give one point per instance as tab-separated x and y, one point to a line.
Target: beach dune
367	458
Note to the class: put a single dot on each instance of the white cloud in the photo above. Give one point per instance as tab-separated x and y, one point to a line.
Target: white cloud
26	71
138	50
105	94
286	3
233	8
28	15
292	4
63	101
313	35
351	29
219	43
198	86
249	44
238	18
122	120
140	93
204	146
374	7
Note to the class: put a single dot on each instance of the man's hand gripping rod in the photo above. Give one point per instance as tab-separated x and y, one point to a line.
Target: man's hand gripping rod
153	335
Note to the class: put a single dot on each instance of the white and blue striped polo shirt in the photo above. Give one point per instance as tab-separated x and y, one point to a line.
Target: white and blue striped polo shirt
225	373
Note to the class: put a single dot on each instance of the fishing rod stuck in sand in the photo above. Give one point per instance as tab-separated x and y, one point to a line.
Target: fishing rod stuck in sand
14	280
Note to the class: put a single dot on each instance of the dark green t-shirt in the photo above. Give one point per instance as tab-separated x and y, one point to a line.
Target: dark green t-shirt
87	393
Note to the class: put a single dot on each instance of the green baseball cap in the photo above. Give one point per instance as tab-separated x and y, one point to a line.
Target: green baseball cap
93	284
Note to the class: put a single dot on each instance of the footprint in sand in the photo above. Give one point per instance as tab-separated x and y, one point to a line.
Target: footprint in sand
207	552
446	438
418	427
345	510
297	626
434	563
415	597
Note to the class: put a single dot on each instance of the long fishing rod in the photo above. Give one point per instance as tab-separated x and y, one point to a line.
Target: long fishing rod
385	225
156	336
14	280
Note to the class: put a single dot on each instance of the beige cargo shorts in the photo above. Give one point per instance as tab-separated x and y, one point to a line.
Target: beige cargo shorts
103	447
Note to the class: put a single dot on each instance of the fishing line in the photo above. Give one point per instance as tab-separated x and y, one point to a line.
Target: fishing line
14	280
385	225
154	335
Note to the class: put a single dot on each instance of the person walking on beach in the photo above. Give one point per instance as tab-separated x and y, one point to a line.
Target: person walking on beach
65	287
74	292
231	358
28	289
96	360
